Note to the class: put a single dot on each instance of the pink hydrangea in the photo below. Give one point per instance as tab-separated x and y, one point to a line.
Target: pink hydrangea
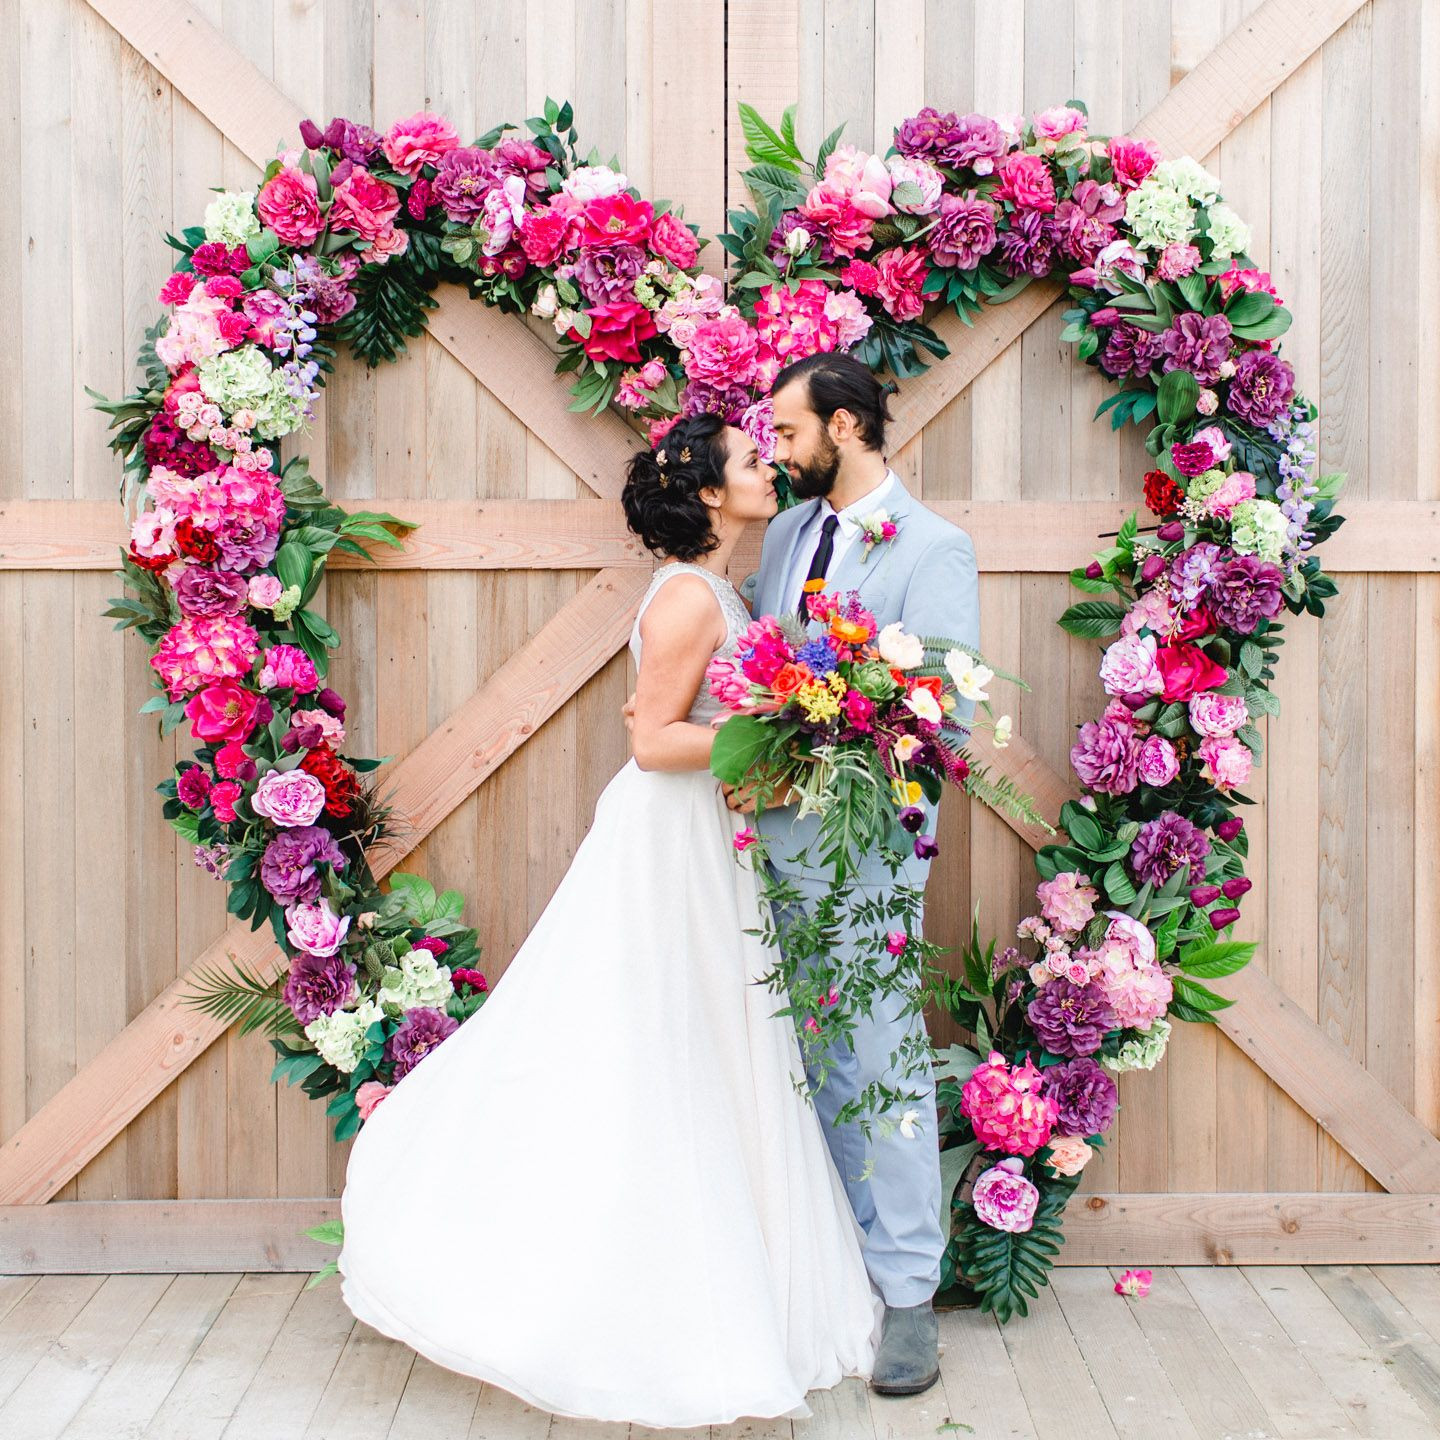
193	333
289	797
1217	715
1128	974
1152	611
1004	1199
420	139
198	651
851	320
1007	1106
1227	763
1067	901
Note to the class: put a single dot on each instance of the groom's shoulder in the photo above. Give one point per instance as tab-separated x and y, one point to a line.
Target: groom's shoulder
787	520
937	529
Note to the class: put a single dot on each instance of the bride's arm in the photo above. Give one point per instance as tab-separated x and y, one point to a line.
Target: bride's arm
679	631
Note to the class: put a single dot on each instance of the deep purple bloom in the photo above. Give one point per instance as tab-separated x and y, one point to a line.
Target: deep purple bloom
974	140
420	1032
964	231
1247	591
727	401
1163	845
357	143
1070	1019
525	159
1237	886
287	868
1262	387
1227	830
1199	344
464	178
926	847
1028	246
1203	895
318	985
208	593
331	702
1106	755
1130	351
1086	1095
912	819
608	273
1219	919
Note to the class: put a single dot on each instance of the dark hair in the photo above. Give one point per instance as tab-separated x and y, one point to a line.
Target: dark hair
836	381
662	488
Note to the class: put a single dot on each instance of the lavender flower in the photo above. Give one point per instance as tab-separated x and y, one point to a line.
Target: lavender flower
1164	845
1193	572
1070	1019
1086	1097
1261	387
287	868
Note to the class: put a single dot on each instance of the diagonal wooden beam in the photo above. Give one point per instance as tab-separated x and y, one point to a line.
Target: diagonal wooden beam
507	358
1348	1102
1194	117
108	1092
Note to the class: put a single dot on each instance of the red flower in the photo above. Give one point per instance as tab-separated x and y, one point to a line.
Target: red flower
617	331
933	683
1162	494
1187	670
617	220
197	542
338	779
1198	622
154	563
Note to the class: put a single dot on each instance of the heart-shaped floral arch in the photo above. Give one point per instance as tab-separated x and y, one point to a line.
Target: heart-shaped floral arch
344	241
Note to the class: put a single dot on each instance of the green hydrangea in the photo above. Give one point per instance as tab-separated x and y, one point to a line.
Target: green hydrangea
1144	1051
1189	177
231	219
238	380
285	606
1158	215
1259	527
280	412
1201	487
340	1038
417	980
1229	234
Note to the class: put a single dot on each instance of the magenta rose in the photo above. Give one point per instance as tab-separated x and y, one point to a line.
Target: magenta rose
364	204
193	787
548	233
1004	1199
290	205
616	331
223	711
1026	179
1132	160
1159	764
1187	670
289	797
1218	715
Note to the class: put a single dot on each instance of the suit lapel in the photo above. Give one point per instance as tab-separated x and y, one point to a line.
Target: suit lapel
853	573
774	597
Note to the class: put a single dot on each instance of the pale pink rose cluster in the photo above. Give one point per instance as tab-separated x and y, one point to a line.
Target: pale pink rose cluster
1128	973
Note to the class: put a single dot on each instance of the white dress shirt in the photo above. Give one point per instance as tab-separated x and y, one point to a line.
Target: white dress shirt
845	536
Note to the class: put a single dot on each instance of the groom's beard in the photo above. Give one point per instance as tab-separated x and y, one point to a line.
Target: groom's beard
817	475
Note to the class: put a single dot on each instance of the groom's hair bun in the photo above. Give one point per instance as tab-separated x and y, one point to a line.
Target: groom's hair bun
663	484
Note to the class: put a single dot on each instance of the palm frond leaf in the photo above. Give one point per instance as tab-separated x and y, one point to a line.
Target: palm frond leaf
245	998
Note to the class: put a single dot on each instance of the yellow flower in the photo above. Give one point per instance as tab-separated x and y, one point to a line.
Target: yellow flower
907	792
818	701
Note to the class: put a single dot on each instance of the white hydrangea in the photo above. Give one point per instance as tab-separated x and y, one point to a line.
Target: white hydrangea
340	1038
1229	234
1158	215
230	218
239	379
1259	527
418	979
1189	177
1143	1052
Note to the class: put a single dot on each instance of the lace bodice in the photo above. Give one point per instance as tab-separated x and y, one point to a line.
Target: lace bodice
737	618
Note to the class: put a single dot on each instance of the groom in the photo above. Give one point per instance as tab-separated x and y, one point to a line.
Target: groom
830	417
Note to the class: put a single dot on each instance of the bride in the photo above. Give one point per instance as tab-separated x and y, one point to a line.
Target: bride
604	1193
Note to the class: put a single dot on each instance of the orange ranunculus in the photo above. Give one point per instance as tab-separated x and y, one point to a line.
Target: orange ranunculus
850	632
789	678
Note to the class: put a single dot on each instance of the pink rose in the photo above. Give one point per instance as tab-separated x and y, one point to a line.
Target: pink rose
289	797
672	240
1159	764
264	591
315	928
1128	669
369	1095
548	233
1069	1154
1227	761
1217	715
1004	1199
233	763
223	711
387	244
222	800
1067	901
1026	179
364	204
290	205
900	277
421	139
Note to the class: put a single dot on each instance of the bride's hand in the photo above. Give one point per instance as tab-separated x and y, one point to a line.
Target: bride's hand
628	711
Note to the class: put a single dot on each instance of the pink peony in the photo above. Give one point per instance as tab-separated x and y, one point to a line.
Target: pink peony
861	178
263	591
1177	261
1132	160
289	797
288	667
1026	180
1004	1199
222	800
831	211
290	205
314	927
1067	901
1227	761
908	170
364	204
1233	490
1007	1107
421	139
548	233
723	351
900	278
1128	669
1059	120
1159	764
369	1095
1152	611
1218	715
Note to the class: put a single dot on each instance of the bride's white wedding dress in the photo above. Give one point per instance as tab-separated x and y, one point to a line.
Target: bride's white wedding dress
603	1193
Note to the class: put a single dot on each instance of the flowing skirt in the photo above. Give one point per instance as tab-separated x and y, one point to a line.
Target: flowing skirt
604	1193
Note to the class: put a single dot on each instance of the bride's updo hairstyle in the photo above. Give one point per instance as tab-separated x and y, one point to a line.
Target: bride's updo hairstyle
662	488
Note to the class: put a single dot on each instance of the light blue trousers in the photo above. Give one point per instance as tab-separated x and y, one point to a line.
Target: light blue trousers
898	1205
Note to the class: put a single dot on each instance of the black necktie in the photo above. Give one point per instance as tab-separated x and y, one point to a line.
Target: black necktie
819	562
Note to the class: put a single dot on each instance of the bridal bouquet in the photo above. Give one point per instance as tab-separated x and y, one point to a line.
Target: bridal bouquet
861	724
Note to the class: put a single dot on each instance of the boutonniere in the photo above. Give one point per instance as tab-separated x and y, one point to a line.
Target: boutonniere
876	528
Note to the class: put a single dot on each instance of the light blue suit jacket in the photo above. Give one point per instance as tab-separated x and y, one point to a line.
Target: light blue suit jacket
926	578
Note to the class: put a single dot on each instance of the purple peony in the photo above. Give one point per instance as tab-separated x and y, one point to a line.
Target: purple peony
728	401
1163	845
1070	1019
318	985
1131	351
420	1032
209	593
1028	246
608	273
976	141
1199	344
964	231
1247	591
464	177
1107	753
287	868
1086	1097
1262	387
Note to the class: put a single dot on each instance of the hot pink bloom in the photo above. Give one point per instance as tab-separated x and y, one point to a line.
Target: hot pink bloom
290	205
1132	159
1026	179
288	666
314	927
222	800
723	351
847	313
1234	489
1004	1199
744	839
548	233
900	276
225	711
829	209
672	240
364	204
421	139
198	651
1134	1284
1007	1107
896	941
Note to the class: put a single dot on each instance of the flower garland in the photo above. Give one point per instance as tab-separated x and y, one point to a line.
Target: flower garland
345	239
